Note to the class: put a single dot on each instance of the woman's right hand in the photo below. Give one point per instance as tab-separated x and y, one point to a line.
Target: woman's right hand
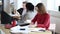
32	25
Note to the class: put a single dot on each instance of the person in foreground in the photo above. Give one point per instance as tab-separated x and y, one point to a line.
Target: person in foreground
42	17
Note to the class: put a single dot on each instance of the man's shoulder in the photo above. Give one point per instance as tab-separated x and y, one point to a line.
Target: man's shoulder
20	9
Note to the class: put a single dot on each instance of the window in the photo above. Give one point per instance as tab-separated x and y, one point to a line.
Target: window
34	2
0	6
53	5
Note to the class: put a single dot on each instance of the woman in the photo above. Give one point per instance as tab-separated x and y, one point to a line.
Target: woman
30	11
42	17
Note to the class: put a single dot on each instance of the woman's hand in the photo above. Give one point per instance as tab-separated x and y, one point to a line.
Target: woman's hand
32	25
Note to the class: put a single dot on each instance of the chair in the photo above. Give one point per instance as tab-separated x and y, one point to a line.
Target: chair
52	28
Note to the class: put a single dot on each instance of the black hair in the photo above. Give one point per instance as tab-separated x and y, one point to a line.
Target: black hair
29	6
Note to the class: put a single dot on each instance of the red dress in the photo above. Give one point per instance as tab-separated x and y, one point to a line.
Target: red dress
43	20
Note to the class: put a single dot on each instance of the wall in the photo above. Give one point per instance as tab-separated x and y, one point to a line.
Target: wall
57	3
7	6
34	2
55	18
19	3
0	9
53	4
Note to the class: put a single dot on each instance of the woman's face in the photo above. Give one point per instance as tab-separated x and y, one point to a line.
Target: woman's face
36	8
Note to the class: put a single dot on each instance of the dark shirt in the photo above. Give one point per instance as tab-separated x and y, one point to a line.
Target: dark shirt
20	11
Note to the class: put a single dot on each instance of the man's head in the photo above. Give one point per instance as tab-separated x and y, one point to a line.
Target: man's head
24	4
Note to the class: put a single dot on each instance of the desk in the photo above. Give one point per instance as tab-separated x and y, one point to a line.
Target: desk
7	31
47	32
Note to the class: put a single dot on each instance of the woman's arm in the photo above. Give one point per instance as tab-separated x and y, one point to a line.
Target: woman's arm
34	20
47	20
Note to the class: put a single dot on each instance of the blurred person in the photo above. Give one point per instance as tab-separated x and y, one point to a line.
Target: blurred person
22	10
30	11
42	17
15	17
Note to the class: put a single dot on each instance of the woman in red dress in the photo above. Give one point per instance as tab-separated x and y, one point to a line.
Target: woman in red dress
42	17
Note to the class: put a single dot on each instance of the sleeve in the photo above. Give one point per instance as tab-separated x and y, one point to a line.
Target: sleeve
46	21
34	19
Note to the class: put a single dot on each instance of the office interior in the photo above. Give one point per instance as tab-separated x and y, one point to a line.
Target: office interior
52	7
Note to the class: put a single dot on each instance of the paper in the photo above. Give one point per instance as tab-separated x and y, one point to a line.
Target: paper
16	29
36	29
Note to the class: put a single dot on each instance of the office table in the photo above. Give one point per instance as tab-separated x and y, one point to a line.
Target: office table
7	31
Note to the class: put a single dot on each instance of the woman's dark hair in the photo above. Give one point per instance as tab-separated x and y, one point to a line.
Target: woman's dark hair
39	5
29	6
